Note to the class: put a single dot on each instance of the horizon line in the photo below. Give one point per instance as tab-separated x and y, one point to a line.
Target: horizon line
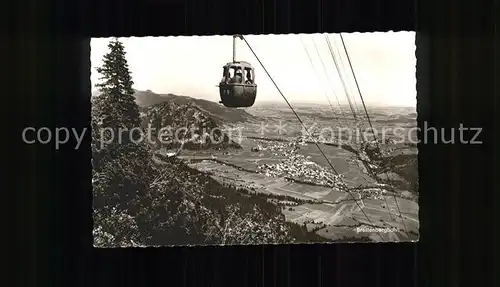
272	101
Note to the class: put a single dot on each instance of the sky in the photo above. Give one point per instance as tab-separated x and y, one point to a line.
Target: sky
384	64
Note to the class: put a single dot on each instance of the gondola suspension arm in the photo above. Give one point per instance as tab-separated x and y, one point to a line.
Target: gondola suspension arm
234	45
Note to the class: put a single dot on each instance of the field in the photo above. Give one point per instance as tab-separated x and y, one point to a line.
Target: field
296	175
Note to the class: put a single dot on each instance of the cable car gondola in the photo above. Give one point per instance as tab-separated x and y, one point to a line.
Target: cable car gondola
237	87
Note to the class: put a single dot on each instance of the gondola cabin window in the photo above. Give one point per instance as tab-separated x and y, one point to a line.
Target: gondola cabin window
236	75
225	75
249	76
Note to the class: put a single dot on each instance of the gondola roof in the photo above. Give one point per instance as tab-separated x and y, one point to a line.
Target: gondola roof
238	63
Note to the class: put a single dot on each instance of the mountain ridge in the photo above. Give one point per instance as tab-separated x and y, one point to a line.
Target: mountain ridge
187	125
218	112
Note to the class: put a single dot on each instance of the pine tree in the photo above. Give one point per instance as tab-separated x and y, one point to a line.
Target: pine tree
123	169
116	106
114	111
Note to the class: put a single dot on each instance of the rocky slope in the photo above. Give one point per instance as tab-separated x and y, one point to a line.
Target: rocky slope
218	112
172	125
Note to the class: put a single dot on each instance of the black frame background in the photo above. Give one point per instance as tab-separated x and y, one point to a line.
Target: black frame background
457	82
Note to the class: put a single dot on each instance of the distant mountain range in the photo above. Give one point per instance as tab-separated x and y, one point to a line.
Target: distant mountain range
224	115
369	106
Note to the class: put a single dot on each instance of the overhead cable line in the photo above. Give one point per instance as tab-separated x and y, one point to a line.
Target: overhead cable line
317	74
326	75
373	131
346	90
307	131
343	65
348	96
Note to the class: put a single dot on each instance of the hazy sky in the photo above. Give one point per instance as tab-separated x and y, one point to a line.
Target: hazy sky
384	64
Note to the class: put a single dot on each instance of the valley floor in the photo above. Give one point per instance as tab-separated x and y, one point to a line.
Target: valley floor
296	181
